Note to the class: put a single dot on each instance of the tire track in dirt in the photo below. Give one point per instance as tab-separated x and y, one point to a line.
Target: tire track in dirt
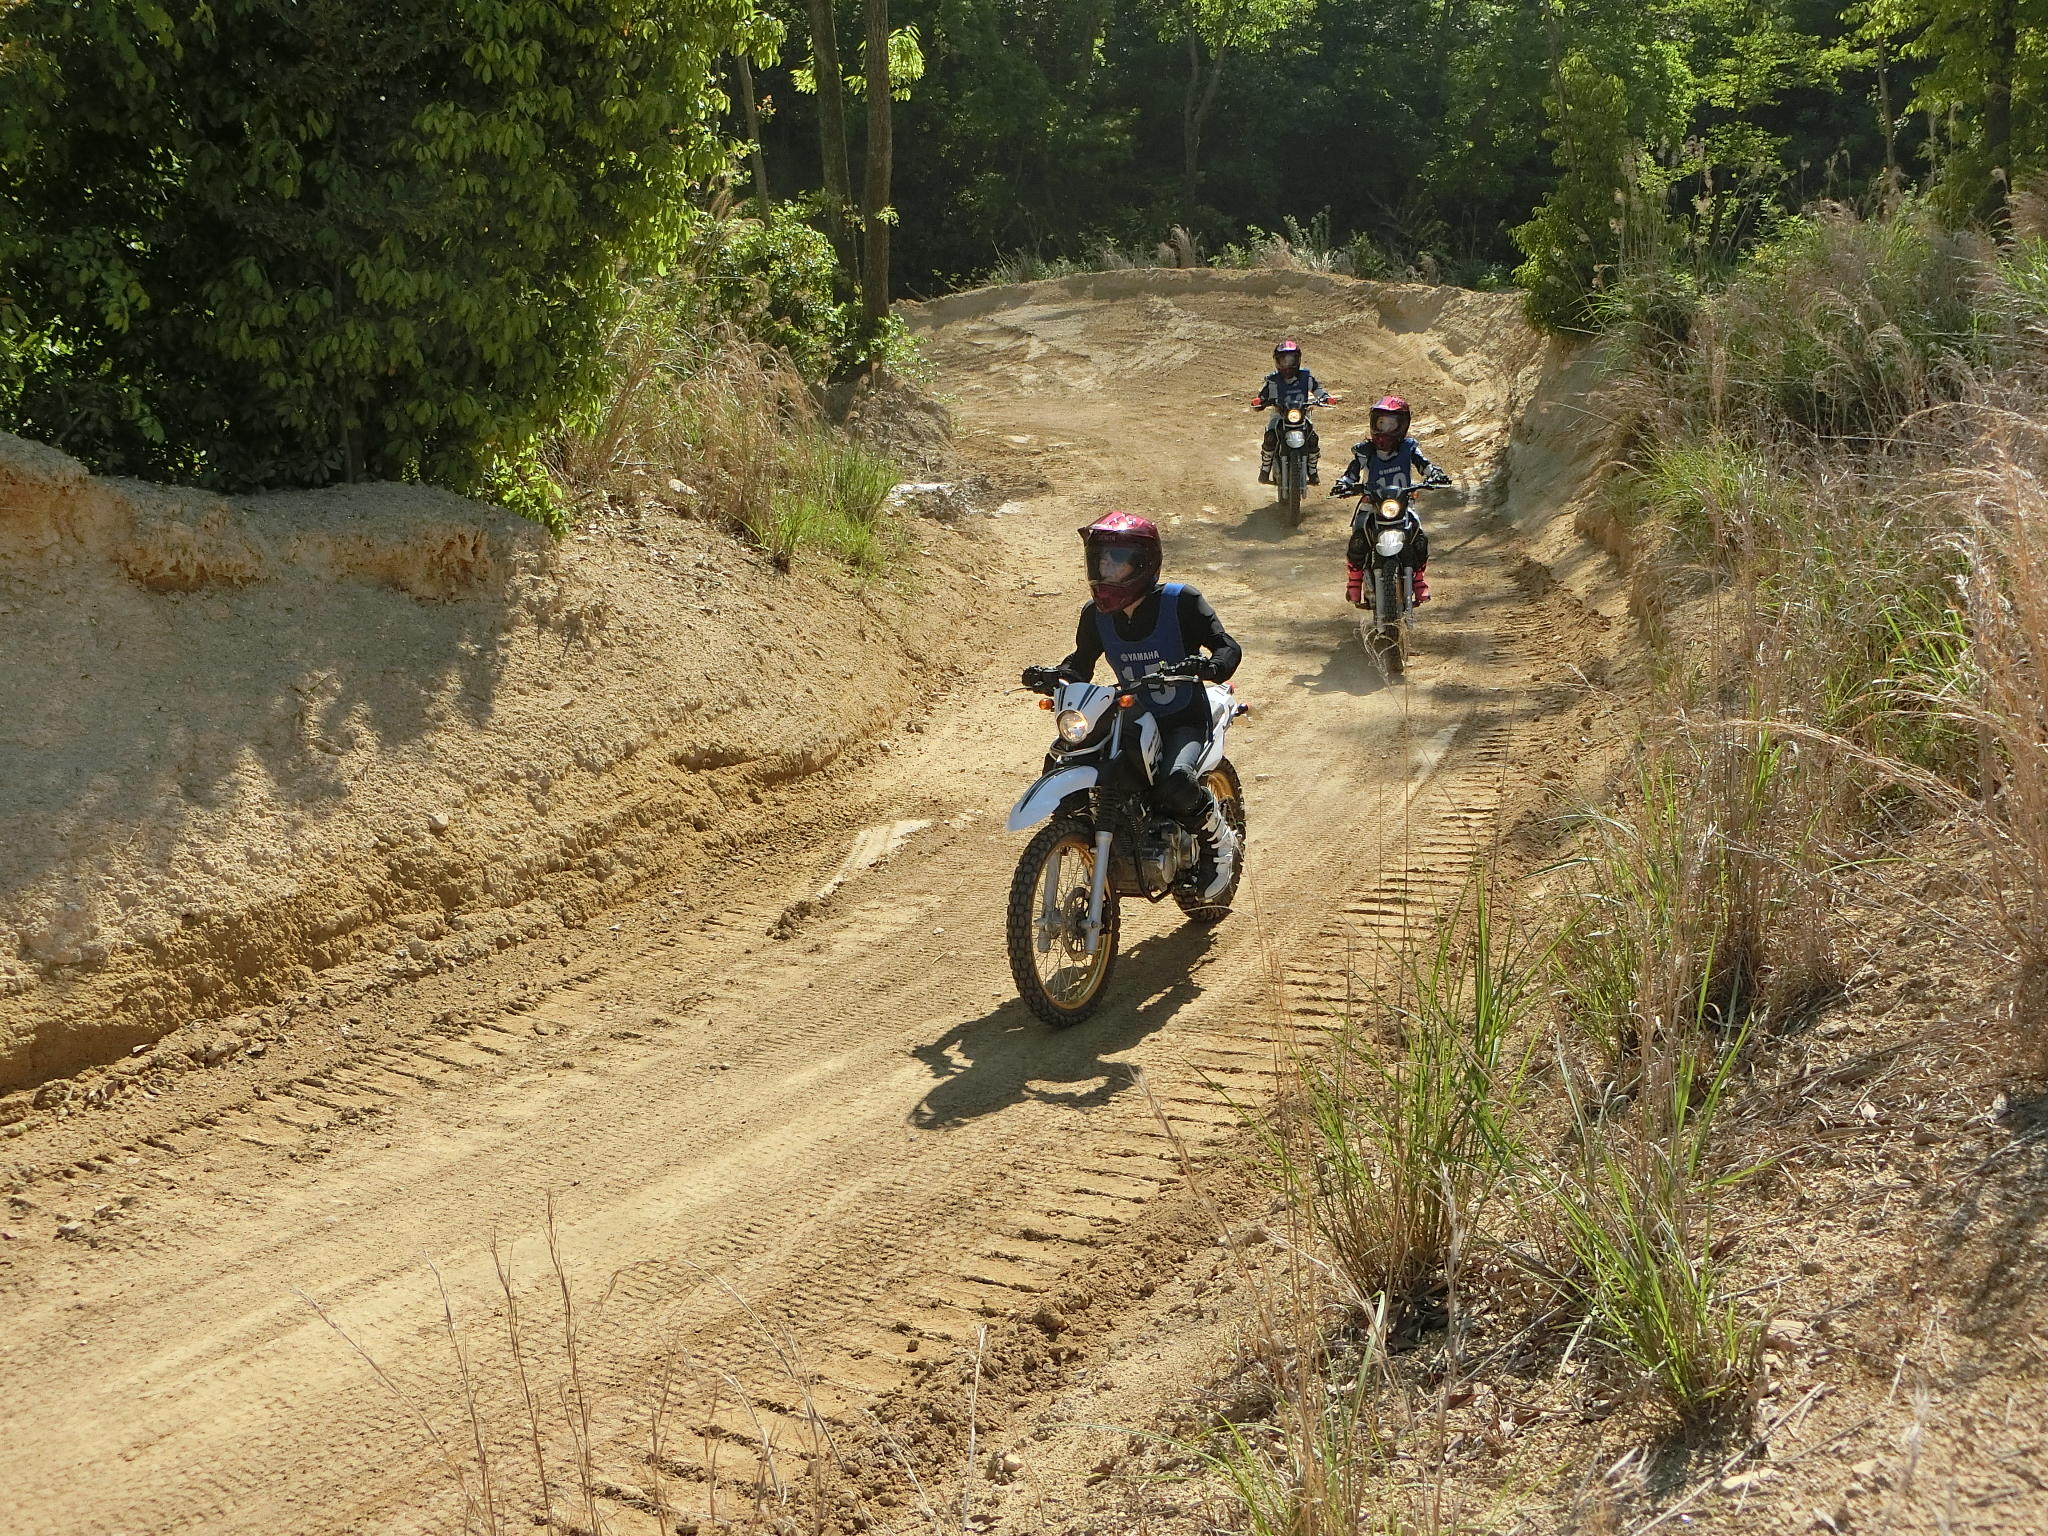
792	1171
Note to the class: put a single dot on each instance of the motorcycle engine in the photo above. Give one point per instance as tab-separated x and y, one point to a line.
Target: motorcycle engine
1165	852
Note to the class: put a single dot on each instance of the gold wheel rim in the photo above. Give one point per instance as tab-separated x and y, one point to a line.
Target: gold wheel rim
1066	972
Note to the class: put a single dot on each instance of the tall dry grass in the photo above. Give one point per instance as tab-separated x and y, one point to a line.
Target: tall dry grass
1835	483
1840	532
1837	475
2007	596
543	1445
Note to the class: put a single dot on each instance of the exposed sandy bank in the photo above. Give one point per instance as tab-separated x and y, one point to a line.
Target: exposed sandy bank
244	742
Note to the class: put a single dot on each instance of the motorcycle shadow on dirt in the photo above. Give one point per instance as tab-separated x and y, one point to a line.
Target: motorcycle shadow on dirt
1346	668
1007	1056
1268	524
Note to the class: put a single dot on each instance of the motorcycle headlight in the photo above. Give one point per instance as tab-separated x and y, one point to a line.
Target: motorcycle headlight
1390	542
1390	509
1072	725
1294	413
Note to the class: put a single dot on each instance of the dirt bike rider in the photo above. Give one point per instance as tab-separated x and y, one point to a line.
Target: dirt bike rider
1142	624
1386	463
1288	384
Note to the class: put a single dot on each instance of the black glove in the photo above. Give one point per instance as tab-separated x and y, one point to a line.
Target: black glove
1343	488
1043	679
1201	668
1436	477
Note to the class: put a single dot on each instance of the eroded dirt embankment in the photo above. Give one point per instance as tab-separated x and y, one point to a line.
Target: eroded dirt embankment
248	745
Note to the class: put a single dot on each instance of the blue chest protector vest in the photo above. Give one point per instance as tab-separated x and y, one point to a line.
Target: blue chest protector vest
1148	653
1395	472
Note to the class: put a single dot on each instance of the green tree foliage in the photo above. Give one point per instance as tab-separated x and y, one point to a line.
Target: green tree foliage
1212	31
774	281
1673	143
1985	84
1619	83
252	243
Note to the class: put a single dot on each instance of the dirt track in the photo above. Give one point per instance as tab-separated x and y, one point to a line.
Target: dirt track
777	1126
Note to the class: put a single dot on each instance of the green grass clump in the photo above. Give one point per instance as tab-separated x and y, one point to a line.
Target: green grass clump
831	498
740	426
1395	1150
1636	1212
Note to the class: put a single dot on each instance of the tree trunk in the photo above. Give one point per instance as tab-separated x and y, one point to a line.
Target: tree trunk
2003	22
1189	139
831	124
1891	126
1202	116
874	284
751	112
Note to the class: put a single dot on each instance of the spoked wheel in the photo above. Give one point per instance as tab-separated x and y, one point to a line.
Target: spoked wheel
1048	925
1220	781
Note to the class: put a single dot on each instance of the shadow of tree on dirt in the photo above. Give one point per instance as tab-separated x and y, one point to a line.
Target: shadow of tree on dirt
1006	1056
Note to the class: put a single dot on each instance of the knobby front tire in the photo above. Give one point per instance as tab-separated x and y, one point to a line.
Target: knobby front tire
1060	983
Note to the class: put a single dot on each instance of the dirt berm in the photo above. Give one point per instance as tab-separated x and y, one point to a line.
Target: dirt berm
248	744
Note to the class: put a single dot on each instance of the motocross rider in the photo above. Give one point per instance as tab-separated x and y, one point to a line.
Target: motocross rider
1142	624
1288	384
1386	463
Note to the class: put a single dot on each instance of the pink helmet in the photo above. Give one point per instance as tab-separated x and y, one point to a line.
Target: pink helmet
1389	422
1124	556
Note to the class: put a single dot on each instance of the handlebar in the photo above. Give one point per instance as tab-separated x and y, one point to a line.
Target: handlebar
1170	675
1173	674
1434	483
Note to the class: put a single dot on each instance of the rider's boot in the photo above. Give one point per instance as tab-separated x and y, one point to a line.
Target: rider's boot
1354	585
1421	587
1218	866
1314	458
1265	466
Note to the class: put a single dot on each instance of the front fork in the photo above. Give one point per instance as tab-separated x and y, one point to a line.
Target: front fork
1098	889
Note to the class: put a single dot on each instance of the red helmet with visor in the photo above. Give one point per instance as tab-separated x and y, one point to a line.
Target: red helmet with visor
1389	423
1124	554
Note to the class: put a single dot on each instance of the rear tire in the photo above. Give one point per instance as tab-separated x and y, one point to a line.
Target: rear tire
1060	983
1221	781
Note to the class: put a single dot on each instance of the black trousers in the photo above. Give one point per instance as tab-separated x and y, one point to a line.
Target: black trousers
1181	745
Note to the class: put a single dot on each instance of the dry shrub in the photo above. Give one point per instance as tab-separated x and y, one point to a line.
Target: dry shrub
543	1445
2007	593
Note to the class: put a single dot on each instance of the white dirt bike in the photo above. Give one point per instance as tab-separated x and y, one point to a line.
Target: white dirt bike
1291	439
1389	525
1105	838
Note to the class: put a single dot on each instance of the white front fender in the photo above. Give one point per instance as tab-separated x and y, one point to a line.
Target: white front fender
1044	797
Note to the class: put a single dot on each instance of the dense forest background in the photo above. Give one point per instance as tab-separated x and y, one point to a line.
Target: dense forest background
1432	129
247	243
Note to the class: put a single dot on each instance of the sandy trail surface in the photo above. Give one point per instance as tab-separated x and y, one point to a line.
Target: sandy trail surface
799	1136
